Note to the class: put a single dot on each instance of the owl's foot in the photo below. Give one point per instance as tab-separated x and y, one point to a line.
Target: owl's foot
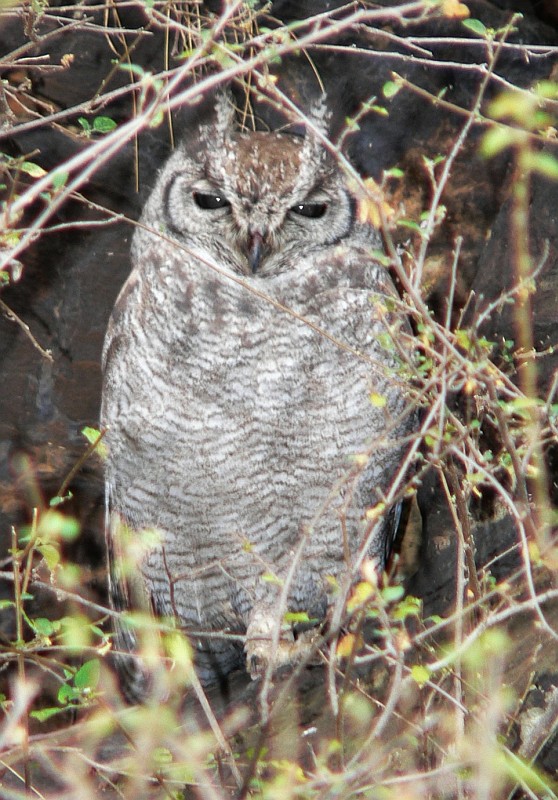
262	652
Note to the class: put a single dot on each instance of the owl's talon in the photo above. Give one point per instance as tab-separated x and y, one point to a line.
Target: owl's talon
262	652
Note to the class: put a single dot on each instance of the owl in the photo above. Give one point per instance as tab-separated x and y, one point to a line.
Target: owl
254	396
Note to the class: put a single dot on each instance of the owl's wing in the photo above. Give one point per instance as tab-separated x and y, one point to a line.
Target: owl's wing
127	591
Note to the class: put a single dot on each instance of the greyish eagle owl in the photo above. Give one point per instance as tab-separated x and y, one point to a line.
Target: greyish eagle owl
253	394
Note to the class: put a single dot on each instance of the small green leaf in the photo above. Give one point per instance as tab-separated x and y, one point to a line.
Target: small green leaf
158	119
294	617
57	501
179	649
84	124
392	593
409	223
42	714
59	179
547	89
75	632
135	69
91	434
162	756
463	338
66	694
103	124
380	110
269	577
352	124
87	676
34	170
409	607
51	555
543	163
377	400
43	626
94	437
54	525
497	139
390	89
476	26
420	674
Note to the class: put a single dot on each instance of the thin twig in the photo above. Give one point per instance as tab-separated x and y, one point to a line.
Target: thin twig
13	317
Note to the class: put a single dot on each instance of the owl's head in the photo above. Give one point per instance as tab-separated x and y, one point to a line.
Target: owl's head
252	200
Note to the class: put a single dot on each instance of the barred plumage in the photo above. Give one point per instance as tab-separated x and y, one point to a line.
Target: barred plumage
238	368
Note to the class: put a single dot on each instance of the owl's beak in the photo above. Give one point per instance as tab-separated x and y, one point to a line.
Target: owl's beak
255	250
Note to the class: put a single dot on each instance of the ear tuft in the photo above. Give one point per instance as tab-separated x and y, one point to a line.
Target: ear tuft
216	133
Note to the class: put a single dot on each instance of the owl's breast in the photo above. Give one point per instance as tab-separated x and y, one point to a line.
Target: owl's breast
240	414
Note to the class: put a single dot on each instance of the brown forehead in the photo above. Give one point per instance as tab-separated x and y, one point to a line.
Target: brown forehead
267	157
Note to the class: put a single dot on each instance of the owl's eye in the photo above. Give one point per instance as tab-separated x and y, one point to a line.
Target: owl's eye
210	201
310	210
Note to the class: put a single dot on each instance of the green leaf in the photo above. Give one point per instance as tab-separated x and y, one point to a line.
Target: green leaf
293	617
103	124
54	525
91	434
180	650
352	124
270	577
394	172
87	676
84	124
497	139
59	178
380	110
67	693
409	223
463	338
6	604
43	626
51	555
57	501
409	607
547	89
543	163
75	632
135	69
34	170
392	593
377	400
390	89
158	119
476	26
420	674
94	436
42	714
162	756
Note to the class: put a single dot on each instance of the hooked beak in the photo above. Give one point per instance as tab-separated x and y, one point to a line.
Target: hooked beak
255	250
